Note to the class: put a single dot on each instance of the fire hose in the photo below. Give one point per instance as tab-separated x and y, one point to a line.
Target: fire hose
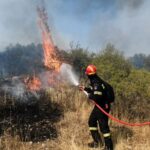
115	119
120	121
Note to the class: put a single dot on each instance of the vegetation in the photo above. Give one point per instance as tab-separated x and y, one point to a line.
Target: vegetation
19	60
132	89
140	61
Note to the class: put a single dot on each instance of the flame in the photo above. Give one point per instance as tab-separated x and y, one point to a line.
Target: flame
32	83
51	60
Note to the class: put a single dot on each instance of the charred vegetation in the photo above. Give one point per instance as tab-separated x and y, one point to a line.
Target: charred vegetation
33	120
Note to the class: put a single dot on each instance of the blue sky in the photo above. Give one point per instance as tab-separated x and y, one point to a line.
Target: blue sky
92	23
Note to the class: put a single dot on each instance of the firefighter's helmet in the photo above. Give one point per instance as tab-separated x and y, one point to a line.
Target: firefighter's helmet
90	70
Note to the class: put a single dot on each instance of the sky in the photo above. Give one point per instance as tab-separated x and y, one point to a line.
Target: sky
90	23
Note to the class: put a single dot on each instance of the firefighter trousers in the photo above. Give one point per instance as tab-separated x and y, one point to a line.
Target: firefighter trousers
97	117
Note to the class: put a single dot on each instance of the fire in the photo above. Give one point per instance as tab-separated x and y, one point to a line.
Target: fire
32	83
51	60
49	77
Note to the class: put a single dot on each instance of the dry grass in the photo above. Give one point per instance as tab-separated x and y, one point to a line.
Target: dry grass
73	133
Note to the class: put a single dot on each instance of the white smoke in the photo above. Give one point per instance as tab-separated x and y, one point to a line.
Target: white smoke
17	89
68	74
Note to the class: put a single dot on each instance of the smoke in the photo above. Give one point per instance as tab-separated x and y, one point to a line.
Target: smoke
124	23
18	22
69	75
130	4
82	8
16	88
126	26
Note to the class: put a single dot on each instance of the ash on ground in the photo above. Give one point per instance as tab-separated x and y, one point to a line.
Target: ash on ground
31	117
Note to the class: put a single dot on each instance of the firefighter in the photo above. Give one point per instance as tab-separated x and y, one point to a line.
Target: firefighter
96	92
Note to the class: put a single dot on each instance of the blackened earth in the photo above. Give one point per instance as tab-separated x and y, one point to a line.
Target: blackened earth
33	120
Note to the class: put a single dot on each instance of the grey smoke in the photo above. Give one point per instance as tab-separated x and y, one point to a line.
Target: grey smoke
124	23
130	4
127	27
18	22
17	89
86	6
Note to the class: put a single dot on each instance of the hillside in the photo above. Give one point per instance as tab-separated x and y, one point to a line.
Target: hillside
56	118
61	123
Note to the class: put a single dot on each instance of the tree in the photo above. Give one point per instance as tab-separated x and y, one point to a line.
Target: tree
111	64
19	60
138	60
80	58
147	63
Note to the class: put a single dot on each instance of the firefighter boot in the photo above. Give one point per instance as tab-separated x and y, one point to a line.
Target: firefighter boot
108	143
93	145
97	140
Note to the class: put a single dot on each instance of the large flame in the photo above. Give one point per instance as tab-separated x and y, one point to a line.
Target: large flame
51	60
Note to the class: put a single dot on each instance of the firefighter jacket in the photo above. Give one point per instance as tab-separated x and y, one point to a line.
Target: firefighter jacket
96	90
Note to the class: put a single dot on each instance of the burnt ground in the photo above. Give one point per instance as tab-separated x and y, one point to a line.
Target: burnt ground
31	121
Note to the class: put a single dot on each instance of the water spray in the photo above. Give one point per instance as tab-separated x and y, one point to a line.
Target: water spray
72	78
68	74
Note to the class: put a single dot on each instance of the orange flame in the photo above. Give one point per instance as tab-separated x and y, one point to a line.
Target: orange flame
51	60
32	83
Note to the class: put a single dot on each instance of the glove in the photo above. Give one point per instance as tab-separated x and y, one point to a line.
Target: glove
81	87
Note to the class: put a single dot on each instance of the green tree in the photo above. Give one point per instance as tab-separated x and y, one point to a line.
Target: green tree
111	64
147	63
138	60
80	58
133	94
